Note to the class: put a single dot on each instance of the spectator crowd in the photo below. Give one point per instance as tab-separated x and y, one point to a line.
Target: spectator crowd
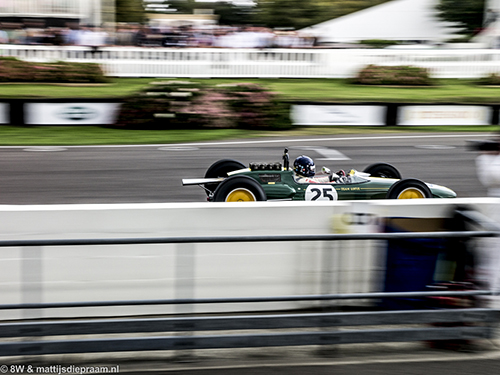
147	36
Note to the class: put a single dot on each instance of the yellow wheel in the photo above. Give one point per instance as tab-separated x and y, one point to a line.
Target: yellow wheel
411	193
409	188
240	195
239	189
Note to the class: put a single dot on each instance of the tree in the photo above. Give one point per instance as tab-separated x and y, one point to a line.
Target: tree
299	14
287	13
338	8
129	11
231	14
467	14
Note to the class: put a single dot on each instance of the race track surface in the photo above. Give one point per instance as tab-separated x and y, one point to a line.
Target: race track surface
153	173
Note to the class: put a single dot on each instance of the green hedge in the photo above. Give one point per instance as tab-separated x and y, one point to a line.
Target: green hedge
190	105
393	75
14	70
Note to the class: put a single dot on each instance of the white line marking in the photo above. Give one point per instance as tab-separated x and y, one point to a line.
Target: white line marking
178	148
222	143
435	147
45	148
328	153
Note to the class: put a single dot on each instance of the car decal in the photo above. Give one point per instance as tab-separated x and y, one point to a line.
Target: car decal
316	192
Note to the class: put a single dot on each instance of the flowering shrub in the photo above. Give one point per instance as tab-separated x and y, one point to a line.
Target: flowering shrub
13	70
393	75
181	105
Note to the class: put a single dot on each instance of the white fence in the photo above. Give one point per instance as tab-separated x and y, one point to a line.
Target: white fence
265	63
212	270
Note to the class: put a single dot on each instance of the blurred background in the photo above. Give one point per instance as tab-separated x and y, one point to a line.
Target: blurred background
247	23
99	126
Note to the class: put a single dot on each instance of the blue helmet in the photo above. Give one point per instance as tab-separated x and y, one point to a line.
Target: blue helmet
304	166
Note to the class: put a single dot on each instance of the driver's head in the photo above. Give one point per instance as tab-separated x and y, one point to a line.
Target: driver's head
304	166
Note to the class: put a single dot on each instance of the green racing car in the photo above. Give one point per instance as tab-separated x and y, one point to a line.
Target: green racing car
229	180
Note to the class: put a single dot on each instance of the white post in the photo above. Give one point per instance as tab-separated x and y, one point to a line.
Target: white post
31	280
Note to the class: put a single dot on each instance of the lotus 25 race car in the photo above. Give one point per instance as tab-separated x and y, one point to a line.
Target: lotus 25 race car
228	180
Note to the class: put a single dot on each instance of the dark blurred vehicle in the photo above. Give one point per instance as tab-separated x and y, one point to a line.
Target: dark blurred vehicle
488	145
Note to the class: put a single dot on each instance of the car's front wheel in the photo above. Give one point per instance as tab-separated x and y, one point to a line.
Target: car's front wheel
409	188
383	170
239	189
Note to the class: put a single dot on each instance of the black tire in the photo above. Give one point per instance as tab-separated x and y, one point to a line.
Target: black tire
220	169
239	189
409	188
383	170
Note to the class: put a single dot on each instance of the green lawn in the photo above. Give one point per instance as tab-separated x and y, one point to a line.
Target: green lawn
332	90
94	135
325	90
336	90
115	89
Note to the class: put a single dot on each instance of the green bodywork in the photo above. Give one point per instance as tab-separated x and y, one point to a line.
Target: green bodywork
280	184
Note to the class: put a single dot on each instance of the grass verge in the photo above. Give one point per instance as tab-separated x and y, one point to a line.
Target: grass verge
93	135
327	90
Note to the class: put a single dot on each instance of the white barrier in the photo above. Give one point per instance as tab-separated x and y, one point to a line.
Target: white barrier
4	113
91	112
72	113
138	272
265	63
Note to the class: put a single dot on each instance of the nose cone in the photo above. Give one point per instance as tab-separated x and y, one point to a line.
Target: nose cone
442	191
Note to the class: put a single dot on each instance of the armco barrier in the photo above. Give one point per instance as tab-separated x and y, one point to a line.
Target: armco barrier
443	324
99	272
303	329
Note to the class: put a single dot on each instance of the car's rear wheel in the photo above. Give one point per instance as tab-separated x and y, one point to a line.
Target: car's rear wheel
221	168
239	189
383	170
409	189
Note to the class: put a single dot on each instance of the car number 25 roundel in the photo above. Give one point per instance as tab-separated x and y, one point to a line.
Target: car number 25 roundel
321	193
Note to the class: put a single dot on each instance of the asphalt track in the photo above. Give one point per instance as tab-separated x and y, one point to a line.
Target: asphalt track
153	173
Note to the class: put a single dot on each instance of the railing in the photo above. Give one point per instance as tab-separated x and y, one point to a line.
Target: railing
264	63
439	324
